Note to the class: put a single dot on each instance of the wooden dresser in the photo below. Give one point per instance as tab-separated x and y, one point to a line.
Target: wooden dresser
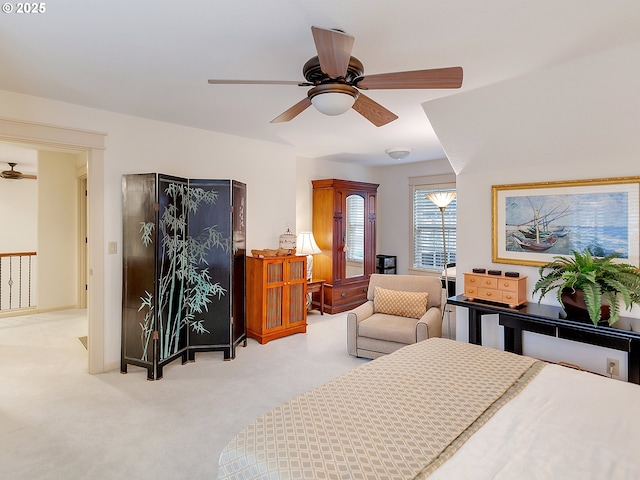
511	291
276	297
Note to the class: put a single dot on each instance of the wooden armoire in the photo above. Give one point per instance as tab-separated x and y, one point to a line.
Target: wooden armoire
344	226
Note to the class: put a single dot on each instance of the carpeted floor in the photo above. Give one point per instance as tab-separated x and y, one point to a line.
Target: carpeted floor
59	422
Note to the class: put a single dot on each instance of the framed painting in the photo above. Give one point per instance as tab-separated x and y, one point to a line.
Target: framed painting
533	222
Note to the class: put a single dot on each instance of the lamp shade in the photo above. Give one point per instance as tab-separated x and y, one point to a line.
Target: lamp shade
441	199
306	244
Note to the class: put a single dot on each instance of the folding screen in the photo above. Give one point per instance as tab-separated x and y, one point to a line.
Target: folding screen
183	269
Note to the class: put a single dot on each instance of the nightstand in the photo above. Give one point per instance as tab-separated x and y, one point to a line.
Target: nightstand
316	286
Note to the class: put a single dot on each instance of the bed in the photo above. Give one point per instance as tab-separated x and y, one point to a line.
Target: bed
444	409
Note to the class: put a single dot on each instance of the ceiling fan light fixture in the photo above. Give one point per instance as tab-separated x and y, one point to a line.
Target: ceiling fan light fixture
333	99
11	174
398	153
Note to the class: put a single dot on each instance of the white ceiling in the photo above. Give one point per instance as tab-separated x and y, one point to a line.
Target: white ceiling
26	157
153	58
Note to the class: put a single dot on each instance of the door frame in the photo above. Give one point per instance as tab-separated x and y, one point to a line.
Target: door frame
82	235
92	143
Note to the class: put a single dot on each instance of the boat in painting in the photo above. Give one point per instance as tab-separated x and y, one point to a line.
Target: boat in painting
538	235
536	245
530	232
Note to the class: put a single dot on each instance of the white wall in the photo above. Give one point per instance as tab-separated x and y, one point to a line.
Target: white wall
57	227
135	145
577	120
18	211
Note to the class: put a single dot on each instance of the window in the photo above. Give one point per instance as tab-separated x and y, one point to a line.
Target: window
355	229
428	250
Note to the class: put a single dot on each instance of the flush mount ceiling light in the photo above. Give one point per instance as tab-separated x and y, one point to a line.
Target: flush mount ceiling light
333	99
398	153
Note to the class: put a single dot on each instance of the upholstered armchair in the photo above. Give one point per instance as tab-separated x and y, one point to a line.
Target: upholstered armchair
400	310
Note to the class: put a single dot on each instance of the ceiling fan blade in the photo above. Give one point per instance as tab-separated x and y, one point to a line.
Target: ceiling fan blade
334	50
450	77
293	112
373	111
29	176
253	82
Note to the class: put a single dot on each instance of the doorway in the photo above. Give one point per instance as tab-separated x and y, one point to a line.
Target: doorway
42	136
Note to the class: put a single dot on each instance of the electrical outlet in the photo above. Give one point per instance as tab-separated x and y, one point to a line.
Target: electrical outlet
613	367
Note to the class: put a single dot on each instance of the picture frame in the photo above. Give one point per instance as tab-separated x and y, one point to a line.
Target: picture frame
534	222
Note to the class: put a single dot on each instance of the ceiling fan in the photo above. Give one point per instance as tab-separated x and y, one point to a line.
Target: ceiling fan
14	174
337	79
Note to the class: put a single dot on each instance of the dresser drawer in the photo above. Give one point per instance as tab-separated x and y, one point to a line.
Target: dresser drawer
484	281
508	285
340	298
344	295
471	291
490	294
510	298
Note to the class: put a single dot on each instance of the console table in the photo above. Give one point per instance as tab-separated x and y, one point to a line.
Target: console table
549	320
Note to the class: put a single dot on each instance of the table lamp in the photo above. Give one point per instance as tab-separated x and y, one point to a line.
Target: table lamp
306	245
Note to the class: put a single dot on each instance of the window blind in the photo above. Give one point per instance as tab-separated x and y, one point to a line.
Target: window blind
428	249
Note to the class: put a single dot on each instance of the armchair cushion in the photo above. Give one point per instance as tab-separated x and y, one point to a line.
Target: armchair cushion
400	303
393	328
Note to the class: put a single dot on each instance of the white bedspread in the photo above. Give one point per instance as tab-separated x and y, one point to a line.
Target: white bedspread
565	424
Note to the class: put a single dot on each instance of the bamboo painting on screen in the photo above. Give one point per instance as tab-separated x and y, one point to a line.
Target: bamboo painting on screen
183	269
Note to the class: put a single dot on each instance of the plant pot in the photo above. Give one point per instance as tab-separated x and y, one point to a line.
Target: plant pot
576	308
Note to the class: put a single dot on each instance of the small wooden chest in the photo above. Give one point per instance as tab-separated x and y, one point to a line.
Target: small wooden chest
511	291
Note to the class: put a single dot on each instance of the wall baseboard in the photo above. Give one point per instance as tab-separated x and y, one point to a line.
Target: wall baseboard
19	312
111	366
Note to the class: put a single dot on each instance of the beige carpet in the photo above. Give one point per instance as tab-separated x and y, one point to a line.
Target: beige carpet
59	422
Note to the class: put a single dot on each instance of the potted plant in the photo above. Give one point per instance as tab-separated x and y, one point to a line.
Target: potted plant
600	280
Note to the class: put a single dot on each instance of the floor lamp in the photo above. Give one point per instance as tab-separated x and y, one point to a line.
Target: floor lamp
442	201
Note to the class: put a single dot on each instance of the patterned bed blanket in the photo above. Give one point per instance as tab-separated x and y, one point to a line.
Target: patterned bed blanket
397	417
